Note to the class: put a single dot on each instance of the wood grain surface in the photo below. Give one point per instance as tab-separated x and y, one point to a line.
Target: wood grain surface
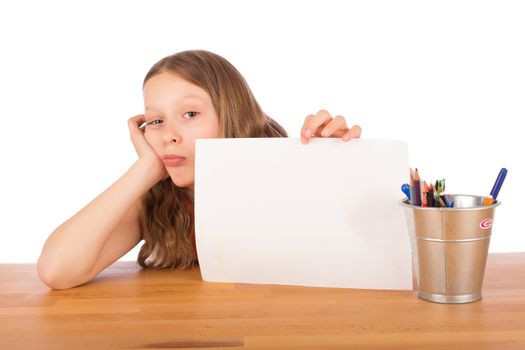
126	307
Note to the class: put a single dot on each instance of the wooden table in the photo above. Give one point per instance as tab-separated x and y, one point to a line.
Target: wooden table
126	307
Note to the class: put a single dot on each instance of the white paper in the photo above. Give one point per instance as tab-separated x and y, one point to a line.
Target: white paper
326	214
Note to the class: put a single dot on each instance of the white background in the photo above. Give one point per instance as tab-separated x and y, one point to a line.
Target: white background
447	77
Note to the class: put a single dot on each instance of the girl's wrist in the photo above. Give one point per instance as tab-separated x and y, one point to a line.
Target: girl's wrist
149	171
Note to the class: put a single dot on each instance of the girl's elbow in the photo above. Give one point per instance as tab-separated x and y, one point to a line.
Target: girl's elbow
53	278
49	277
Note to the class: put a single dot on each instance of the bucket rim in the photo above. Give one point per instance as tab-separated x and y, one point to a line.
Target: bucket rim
494	204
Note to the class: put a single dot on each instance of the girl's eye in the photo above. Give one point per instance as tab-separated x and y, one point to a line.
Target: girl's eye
153	122
192	114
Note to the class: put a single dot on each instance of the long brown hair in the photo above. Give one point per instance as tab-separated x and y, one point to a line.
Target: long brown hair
166	217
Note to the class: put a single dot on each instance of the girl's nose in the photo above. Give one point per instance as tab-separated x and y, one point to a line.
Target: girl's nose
168	141
170	138
171	135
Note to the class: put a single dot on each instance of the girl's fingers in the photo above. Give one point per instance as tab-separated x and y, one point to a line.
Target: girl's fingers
137	134
137	121
353	133
323	125
305	125
312	124
138	118
336	126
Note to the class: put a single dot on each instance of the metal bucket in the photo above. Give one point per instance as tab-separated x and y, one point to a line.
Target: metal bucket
450	247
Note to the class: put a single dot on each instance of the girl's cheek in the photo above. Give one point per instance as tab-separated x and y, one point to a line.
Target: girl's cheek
149	137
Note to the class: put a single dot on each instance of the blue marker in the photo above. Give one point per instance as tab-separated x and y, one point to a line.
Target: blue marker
499	181
448	202
497	186
406	190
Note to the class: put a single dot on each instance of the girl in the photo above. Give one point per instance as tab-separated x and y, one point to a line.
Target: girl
192	94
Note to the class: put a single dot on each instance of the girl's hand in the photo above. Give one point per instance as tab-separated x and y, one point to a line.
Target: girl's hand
144	150
323	125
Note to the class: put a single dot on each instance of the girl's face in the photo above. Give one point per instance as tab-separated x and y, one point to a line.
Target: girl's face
178	112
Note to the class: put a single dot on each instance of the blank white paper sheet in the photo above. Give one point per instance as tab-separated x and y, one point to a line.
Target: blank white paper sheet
325	214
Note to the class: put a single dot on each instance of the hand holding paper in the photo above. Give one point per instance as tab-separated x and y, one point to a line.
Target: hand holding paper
323	125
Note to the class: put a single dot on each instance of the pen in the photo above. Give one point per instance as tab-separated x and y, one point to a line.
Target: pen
442	195
436	197
497	186
447	200
406	190
143	125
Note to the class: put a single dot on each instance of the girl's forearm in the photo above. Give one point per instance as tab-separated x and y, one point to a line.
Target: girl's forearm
73	247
